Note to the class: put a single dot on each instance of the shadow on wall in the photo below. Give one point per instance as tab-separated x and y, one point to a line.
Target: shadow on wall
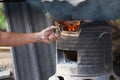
82	9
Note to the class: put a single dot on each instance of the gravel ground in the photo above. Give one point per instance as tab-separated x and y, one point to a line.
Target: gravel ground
5	60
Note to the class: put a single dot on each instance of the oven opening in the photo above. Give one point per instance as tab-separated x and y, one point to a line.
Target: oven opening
69	26
67	56
70	56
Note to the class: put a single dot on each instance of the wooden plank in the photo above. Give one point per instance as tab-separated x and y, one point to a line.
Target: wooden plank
6	48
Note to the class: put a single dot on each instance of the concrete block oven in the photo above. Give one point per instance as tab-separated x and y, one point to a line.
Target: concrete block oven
84	51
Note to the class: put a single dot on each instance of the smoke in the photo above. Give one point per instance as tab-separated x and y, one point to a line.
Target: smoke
82	9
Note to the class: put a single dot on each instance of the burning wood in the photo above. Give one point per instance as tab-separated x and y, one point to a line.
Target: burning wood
72	26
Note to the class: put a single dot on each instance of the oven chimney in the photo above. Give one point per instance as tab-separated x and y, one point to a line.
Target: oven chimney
86	55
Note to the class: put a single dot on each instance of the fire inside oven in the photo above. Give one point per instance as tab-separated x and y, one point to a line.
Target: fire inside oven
68	27
71	26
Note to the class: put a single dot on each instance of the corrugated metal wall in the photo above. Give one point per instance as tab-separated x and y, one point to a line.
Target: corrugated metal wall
33	61
37	61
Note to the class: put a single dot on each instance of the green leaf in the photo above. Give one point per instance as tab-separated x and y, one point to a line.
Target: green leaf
3	25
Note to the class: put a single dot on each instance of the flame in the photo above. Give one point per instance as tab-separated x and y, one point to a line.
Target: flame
70	25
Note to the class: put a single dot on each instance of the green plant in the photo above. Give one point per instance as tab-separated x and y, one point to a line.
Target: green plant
2	18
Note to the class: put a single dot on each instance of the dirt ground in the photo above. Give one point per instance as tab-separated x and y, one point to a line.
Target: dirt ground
6	61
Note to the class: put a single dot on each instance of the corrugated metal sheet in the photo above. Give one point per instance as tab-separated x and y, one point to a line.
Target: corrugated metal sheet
33	61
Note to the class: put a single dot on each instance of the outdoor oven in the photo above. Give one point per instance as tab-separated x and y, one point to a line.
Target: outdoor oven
84	51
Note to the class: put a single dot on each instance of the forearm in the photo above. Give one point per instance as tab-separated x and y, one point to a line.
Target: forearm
15	39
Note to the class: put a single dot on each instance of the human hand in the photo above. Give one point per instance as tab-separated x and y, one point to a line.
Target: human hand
47	35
